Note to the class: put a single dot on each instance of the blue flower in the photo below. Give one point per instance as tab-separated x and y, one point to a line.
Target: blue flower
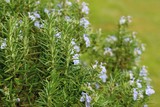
84	22
85	8
8	1
149	90
135	94
143	71
58	35
108	51
102	74
86	98
37	24
85	37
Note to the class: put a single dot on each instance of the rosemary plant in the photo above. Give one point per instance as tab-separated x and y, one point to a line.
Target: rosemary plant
50	57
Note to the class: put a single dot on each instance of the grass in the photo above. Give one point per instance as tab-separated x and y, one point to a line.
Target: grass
146	21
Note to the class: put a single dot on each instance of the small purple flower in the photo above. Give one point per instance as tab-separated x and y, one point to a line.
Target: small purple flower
76	62
143	71
108	51
131	82
149	91
76	48
86	39
59	5
46	11
67	18
102	74
37	24
76	59
97	86
58	35
32	17
103	68
127	40
84	22
137	51
36	14
76	56
135	94
139	85
85	8
86	98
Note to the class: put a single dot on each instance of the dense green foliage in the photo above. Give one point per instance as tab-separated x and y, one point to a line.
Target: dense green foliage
48	55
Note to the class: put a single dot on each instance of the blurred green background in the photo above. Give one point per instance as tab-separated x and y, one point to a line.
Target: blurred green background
146	21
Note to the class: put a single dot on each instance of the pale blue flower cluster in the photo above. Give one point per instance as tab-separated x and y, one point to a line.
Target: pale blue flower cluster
75	51
97	86
149	90
86	39
8	1
124	20
138	82
3	44
38	24
135	94
86	98
51	11
138	92
108	51
67	19
59	5
85	8
84	22
143	71
102	75
46	11
137	52
76	59
127	40
34	16
111	39
58	35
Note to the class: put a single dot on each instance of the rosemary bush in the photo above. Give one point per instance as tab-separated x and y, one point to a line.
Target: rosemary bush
50	57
